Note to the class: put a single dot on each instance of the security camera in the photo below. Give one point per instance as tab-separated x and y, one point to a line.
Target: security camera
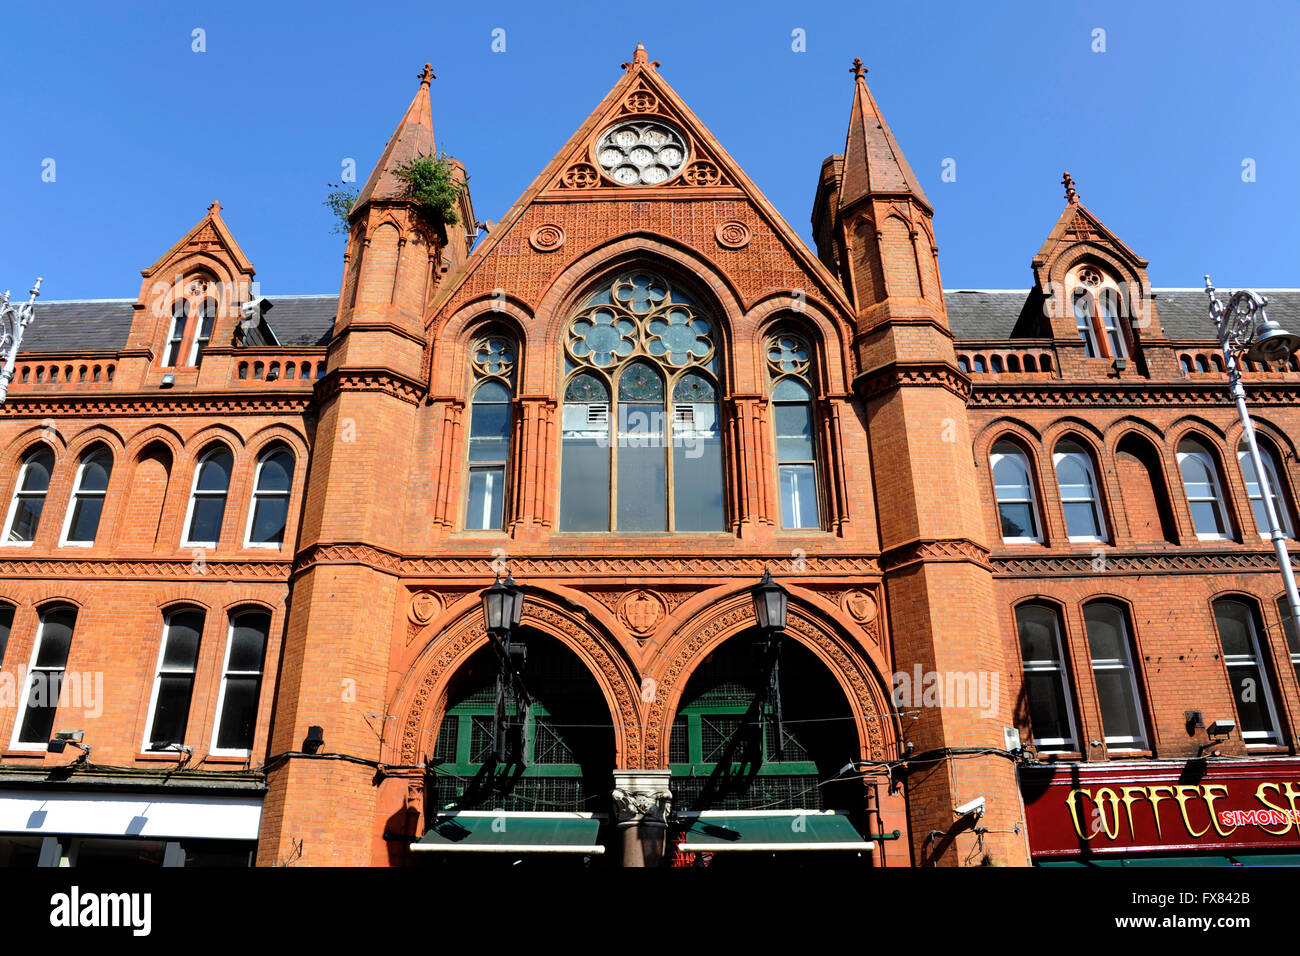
1221	728
973	808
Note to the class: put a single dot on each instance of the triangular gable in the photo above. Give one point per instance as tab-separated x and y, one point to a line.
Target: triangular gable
211	235
640	91
1078	224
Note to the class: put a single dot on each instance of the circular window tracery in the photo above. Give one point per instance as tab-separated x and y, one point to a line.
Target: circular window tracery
642	153
640	313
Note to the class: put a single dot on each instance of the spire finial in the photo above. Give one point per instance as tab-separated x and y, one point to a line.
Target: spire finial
640	58
427	75
214	209
858	69
1071	194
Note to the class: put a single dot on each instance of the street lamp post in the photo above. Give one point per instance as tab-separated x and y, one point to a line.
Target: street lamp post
770	602
503	607
1246	332
13	321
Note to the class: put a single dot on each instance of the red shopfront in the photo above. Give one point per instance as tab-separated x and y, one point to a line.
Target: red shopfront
1164	813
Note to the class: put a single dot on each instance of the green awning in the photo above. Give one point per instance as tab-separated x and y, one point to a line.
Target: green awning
769	831
482	831
1268	859
1141	861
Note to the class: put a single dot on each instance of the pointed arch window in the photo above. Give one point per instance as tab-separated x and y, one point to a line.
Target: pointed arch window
1288	629
491	418
88	496
1110	645
1047	684
1204	490
272	487
641	446
1239	632
208	498
207	315
1013	487
1097	312
789	366
175	334
1080	494
1269	457
29	496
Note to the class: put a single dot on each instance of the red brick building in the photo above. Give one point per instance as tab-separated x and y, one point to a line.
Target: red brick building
235	519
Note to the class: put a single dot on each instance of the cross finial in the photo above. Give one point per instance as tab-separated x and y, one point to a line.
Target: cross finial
640	58
427	75
858	69
1071	195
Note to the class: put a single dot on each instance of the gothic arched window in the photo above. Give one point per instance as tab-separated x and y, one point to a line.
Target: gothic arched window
493	359
29	496
1097	311
789	366
641	408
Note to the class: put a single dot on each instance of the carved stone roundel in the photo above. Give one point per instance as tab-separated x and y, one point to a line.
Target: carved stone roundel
547	238
424	606
733	234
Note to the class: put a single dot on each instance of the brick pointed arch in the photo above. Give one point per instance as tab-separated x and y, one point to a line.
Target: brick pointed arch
859	678
421	699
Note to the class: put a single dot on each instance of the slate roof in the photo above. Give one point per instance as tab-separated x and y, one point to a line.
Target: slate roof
976	315
102	325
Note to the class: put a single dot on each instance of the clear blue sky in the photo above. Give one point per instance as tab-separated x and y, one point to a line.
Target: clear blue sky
145	132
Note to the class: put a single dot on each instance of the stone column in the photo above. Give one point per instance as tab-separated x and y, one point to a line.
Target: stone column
642	802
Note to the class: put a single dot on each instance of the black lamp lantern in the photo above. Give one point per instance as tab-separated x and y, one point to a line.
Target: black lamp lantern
770	601
503	606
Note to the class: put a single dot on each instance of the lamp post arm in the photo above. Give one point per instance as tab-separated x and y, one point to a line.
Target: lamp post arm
21	315
1265	489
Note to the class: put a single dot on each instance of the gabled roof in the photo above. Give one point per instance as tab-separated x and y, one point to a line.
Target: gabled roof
873	163
642	75
210	232
1078	224
413	137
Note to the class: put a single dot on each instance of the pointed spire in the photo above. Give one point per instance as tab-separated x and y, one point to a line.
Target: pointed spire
414	137
1071	194
641	58
873	162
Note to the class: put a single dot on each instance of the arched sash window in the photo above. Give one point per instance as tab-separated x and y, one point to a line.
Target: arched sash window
490	422
29	496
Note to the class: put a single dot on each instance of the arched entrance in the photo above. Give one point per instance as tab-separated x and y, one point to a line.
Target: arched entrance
531	789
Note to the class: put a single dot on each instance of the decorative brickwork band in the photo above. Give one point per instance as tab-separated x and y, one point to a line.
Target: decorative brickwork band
898	375
1056	395
943	549
1086	565
370	380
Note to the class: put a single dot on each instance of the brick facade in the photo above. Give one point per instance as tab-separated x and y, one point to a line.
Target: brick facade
375	593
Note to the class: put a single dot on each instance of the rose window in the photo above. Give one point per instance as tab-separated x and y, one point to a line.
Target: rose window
642	153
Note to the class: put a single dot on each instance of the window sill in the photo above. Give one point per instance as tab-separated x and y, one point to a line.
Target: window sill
1267	748
160	755
1112	754
34	753
227	758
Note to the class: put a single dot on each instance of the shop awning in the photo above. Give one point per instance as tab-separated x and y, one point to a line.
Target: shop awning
487	831
1141	861
769	831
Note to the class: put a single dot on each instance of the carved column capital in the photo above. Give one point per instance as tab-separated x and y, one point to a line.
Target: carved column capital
642	797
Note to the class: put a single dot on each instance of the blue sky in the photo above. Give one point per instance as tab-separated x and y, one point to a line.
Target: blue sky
145	133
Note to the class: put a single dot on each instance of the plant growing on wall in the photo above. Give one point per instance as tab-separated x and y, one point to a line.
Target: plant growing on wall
432	187
340	204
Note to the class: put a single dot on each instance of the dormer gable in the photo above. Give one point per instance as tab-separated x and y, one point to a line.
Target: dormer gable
191	297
